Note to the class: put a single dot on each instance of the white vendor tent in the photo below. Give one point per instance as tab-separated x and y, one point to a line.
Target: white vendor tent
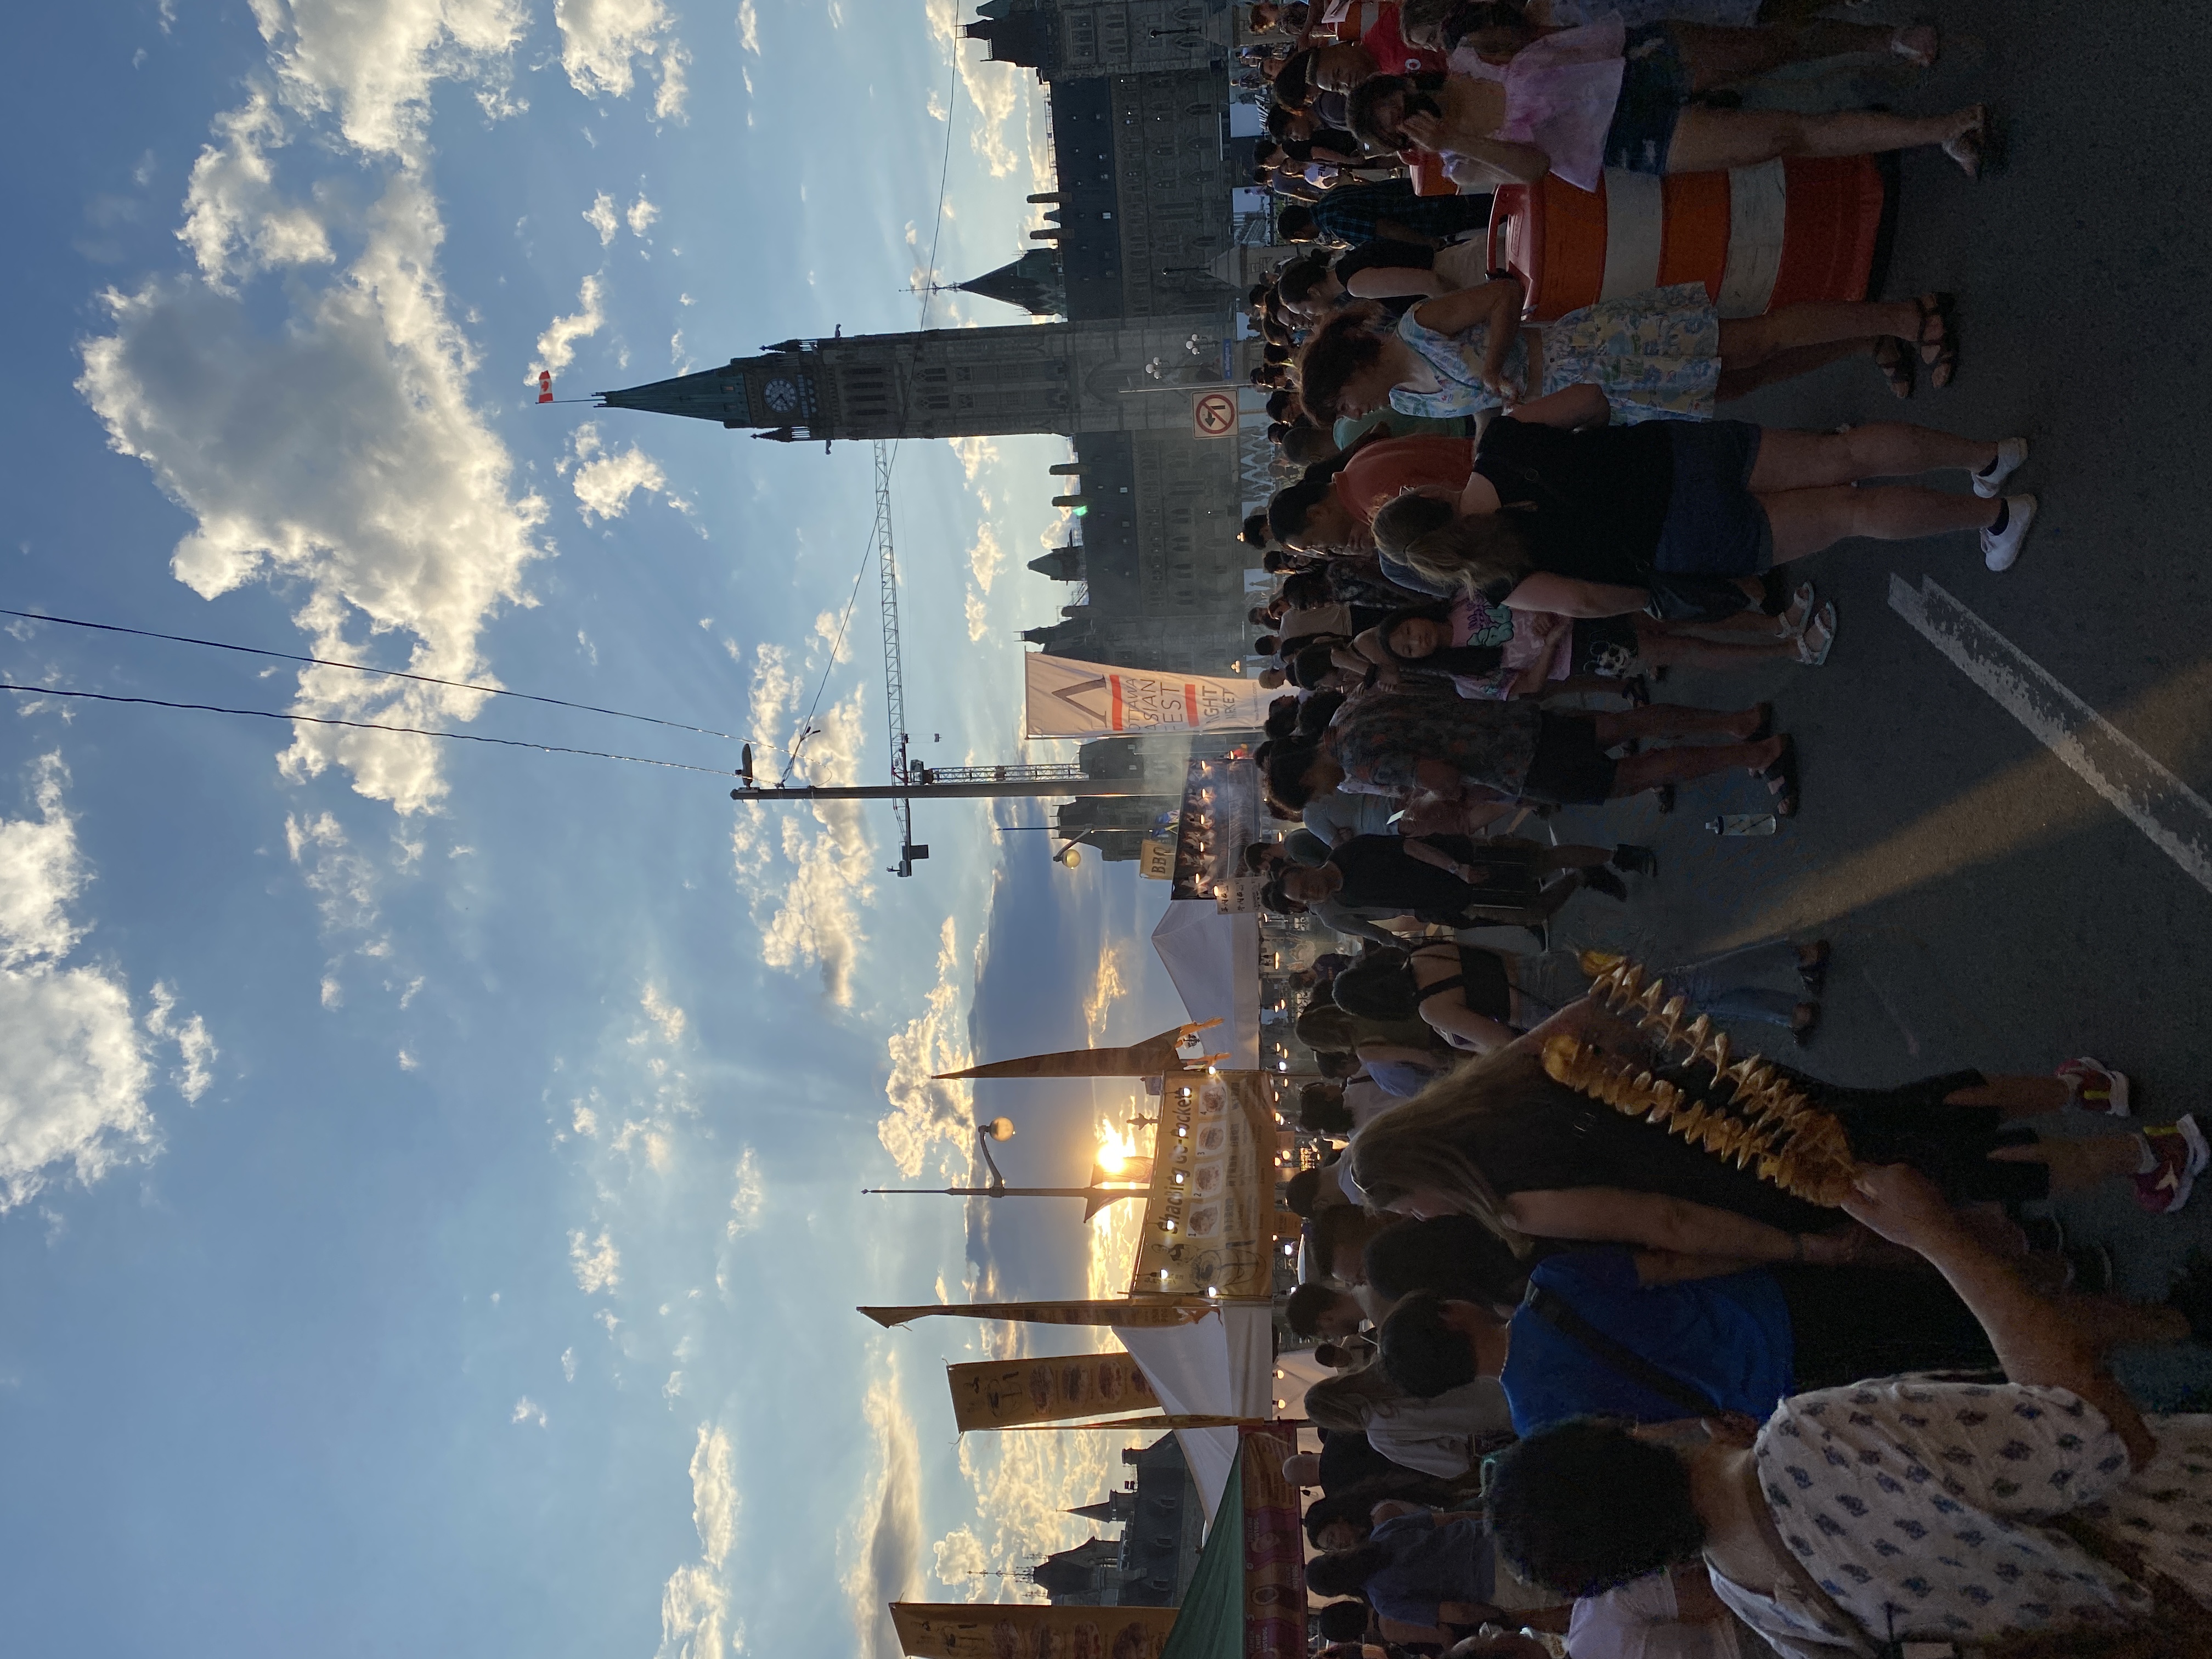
1213	958
1223	1365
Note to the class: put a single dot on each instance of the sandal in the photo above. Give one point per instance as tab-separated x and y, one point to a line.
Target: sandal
1815	976
1792	619
1783	771
1918	57
1973	150
1942	310
1899	367
1812	653
1764	729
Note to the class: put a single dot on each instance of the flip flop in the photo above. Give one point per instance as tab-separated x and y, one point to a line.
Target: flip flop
1917	59
1815	977
1975	149
1825	619
1942	308
1899	367
1783	771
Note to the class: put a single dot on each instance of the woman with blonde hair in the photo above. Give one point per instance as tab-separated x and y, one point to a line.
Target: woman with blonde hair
1500	1140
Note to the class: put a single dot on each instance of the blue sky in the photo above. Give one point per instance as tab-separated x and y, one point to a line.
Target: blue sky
428	1174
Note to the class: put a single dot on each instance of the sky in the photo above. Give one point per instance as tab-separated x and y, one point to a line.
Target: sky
429	1172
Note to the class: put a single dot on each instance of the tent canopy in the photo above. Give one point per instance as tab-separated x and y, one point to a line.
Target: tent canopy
1221	1366
1211	1623
1214	960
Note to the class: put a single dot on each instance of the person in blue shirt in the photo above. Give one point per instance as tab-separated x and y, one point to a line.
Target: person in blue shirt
1430	1568
1737	1340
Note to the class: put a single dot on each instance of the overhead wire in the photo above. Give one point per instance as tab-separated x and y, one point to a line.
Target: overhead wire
365	725
361	668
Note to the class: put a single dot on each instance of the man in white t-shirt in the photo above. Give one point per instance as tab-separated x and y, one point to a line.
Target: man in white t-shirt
1662	1615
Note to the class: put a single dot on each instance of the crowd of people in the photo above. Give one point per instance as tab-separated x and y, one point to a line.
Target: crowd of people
1594	1389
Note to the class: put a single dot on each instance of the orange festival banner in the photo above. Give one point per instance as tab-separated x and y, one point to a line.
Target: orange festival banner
1029	1630
994	1393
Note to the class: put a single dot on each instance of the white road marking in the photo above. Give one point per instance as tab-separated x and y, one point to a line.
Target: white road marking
2178	820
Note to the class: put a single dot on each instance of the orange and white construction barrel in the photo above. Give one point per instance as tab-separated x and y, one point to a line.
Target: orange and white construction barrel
1757	238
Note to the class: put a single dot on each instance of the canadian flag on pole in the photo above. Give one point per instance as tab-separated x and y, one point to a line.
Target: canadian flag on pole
544	386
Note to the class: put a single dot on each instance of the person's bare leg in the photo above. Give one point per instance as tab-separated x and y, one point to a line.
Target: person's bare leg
1852	325
1714	140
2013	1095
2077	1165
2109	1322
1805	521
1639	773
1789	459
1786	365
1672	720
1716	55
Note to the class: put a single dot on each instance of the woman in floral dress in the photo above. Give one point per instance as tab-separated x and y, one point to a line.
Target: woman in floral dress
1666	352
1900	1511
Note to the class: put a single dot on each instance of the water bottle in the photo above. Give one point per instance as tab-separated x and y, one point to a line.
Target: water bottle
1743	824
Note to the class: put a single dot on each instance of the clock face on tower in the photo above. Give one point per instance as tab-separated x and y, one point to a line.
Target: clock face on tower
782	395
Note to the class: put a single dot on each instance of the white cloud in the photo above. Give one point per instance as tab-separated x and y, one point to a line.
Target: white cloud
597	1263
416	534
961	1563
373	66
587	1121
605	479
665	1014
527	1410
884	1541
749	26
995	91
809	912
41	872
341	878
599	38
714	1494
925	1114
641	217
695	1604
568	1365
196	1049
556	346
750	1201
235	222
74	1070
600	216
978	615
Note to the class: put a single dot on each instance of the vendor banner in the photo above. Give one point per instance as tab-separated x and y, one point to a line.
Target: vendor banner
1274	1546
1071	699
1210	1217
994	1393
1149	1310
1029	1630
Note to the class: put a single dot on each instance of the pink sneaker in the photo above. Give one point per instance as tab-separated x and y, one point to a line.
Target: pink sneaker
2094	1088
2182	1156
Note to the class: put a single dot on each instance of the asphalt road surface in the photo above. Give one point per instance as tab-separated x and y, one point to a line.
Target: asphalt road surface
1988	908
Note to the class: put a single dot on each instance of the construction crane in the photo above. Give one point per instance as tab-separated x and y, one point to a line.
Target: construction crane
894	666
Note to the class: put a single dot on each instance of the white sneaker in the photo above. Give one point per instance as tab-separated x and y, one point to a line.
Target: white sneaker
2000	547
2011	452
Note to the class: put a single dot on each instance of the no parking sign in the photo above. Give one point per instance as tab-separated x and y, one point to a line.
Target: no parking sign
1213	414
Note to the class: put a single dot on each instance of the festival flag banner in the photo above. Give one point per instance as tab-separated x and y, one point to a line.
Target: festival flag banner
992	1394
1145	1310
1071	699
1210	1217
1274	1546
1029	1630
